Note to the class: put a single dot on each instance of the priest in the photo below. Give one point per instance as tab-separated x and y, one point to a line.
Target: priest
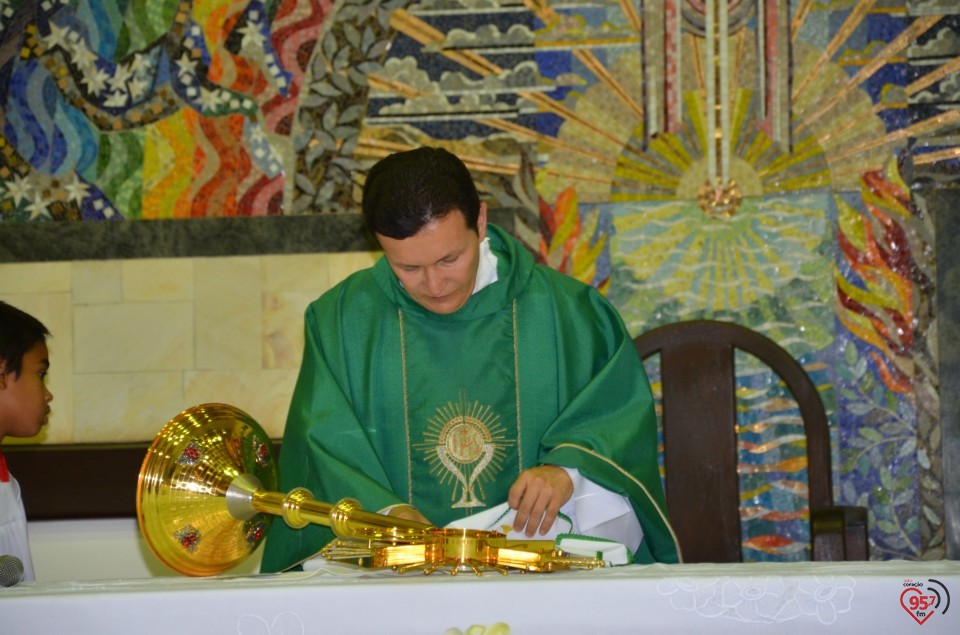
457	377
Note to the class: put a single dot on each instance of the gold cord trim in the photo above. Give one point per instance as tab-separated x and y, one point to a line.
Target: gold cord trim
630	476
516	375
406	408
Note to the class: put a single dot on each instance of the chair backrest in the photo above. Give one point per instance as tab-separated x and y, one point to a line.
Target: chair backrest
699	423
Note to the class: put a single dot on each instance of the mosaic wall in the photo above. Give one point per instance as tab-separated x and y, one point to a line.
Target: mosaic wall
761	161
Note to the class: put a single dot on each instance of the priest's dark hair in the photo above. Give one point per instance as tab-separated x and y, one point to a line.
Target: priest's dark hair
19	332
408	190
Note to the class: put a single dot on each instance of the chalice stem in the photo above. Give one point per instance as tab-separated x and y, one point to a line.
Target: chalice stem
346	518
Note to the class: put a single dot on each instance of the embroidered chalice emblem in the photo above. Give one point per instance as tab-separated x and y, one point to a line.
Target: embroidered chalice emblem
465	444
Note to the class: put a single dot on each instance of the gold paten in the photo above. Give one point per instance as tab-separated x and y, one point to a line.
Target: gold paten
458	550
205	500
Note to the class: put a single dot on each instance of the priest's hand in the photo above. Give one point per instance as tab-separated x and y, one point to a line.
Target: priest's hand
408	512
537	495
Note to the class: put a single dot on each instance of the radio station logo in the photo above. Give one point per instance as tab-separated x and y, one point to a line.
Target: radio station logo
922	599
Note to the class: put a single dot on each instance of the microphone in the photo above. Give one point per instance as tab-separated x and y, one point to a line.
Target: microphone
11	571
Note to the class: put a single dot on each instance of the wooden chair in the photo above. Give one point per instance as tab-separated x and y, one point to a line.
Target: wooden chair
700	442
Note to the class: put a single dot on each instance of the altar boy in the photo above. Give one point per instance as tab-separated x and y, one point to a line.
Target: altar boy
24	409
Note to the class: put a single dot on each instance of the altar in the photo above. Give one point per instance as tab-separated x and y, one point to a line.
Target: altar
802	598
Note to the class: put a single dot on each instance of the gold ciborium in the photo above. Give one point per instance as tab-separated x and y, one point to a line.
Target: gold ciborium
205	501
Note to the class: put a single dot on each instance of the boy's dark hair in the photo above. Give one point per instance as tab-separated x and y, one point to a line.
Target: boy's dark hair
408	190
19	332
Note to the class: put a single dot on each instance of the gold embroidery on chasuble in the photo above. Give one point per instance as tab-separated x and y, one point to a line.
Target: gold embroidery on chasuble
465	444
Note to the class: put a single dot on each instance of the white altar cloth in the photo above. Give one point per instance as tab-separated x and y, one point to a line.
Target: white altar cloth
801	598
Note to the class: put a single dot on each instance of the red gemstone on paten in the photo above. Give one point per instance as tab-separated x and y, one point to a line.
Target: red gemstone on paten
255	534
188	537
262	452
190	455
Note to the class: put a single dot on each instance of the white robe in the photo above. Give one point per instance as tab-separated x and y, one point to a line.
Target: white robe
13	522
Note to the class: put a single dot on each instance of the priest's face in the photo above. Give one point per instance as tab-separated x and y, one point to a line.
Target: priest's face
437	266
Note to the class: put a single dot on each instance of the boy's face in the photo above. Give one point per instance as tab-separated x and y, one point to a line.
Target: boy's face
438	265
24	399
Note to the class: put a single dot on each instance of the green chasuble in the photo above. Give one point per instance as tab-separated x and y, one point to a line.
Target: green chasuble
396	404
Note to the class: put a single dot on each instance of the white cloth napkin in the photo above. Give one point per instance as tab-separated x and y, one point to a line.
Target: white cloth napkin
500	518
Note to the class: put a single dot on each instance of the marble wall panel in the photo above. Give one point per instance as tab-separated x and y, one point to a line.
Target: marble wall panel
283	315
227	313
134	342
263	394
35	277
157	280
97	282
125	407
141	337
343	264
308	273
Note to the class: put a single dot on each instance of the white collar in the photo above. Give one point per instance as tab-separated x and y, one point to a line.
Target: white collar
487	267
